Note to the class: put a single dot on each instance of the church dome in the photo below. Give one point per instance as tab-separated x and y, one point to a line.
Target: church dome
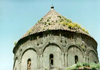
54	43
54	21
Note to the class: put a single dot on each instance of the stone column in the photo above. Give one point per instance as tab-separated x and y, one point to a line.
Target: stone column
38	61
62	60
41	62
66	59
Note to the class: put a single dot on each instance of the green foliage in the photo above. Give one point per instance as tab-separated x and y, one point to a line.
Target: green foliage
86	64
83	29
69	21
38	21
94	65
70	25
47	20
59	16
49	23
78	65
41	19
15	43
29	31
64	23
45	23
76	25
52	21
79	44
86	31
56	21
61	20
72	67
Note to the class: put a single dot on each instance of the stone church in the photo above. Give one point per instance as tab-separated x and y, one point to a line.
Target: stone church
53	44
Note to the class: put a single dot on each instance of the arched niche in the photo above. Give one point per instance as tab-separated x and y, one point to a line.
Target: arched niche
92	57
47	44
29	54
56	52
74	53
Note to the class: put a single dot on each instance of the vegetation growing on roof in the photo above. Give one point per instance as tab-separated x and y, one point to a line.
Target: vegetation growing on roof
59	16
72	25
61	20
64	23
56	21
49	23
41	19
15	43
45	23
47	20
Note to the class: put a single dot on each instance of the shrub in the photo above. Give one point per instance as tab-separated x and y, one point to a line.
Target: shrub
61	20
49	23
87	32
93	65
15	43
59	16
47	20
98	65
83	29
52	21
45	23
77	26
86	64
79	65
64	23
70	25
41	19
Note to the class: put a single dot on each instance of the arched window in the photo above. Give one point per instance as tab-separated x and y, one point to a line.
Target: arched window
29	64
95	62
76	59
51	61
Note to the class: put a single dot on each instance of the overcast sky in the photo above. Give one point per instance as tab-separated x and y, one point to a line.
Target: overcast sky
18	16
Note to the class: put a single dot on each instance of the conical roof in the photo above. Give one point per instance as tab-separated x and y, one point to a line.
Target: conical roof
54	21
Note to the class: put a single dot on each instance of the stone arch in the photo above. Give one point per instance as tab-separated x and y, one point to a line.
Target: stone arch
29	53
56	52
27	50
73	51
92	56
75	45
90	49
57	45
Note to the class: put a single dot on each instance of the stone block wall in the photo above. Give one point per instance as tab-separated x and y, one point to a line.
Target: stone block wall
63	45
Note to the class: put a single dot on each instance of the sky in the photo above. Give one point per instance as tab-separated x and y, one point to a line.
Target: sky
18	16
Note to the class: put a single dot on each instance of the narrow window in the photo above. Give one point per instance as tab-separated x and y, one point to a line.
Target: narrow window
29	64
76	59
95	62
51	61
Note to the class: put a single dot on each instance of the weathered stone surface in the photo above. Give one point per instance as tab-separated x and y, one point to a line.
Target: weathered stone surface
61	44
64	45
